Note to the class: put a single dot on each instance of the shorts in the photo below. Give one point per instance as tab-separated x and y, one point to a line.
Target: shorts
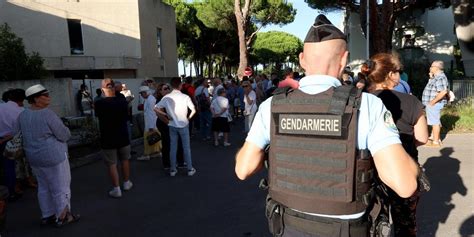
220	124
433	114
112	155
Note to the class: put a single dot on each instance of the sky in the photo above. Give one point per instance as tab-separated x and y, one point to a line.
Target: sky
304	18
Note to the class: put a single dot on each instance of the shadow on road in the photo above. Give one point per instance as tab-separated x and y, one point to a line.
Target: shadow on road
443	173
467	227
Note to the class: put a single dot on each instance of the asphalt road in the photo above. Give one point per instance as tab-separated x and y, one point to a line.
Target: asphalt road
215	203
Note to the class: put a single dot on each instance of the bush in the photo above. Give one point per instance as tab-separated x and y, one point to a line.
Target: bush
15	63
459	116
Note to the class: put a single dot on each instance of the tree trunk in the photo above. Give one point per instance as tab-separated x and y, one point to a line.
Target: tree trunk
241	16
191	68
184	67
380	25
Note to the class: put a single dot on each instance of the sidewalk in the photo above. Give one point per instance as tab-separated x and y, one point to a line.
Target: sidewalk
448	208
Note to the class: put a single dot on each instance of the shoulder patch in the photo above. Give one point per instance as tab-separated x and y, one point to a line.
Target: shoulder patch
388	120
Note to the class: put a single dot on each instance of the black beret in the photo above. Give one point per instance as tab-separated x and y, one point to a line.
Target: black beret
323	30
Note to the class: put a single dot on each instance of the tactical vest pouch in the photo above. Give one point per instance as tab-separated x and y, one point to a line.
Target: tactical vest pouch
314	165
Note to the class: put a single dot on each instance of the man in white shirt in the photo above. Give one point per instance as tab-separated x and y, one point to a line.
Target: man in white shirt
176	116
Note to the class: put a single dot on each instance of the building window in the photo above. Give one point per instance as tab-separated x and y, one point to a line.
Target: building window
159	42
75	36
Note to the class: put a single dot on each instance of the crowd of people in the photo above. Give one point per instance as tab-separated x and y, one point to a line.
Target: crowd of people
391	123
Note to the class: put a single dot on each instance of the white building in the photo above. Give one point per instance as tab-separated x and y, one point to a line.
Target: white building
438	41
97	38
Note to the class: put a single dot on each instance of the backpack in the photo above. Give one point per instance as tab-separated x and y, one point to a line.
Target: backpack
202	101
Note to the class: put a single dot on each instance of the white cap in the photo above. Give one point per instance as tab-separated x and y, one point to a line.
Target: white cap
143	89
36	89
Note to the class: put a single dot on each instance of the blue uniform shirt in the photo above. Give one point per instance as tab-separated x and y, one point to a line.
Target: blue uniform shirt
376	128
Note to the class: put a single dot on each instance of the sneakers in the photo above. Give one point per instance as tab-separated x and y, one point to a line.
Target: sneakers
173	173
115	192
155	155
216	143
226	144
191	172
146	157
127	185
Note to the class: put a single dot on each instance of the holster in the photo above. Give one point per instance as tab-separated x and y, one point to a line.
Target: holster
274	213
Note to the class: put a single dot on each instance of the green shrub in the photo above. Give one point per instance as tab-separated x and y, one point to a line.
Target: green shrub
459	116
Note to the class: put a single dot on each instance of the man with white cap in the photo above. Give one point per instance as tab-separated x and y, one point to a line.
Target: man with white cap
150	124
314	133
112	113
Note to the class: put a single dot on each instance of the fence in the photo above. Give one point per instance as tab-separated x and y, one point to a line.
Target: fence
463	88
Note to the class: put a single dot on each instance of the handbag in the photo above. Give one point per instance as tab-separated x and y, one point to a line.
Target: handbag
229	117
153	138
14	147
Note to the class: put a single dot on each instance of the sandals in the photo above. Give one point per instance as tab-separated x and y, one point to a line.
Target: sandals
68	219
48	220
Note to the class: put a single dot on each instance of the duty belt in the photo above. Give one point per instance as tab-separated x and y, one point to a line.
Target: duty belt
280	217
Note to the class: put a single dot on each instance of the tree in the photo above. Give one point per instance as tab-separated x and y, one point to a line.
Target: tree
260	13
246	18
15	63
382	16
276	47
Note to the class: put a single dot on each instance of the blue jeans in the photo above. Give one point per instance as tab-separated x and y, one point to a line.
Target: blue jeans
205	124
183	133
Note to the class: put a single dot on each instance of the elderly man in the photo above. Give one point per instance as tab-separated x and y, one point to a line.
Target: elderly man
434	98
112	113
317	184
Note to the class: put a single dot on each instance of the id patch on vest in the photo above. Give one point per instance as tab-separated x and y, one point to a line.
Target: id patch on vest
310	124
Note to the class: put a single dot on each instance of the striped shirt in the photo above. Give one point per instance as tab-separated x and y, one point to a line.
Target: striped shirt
44	137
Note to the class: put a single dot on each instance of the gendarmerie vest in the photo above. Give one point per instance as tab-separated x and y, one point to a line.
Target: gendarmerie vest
314	165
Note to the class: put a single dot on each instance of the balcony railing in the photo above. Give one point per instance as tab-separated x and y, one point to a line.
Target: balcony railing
90	63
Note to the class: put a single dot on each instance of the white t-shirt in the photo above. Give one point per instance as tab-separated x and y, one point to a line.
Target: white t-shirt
220	103
176	105
251	108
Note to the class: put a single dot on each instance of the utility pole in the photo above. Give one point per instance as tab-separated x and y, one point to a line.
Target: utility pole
367	28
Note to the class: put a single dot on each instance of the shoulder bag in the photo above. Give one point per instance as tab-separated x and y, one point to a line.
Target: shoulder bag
14	147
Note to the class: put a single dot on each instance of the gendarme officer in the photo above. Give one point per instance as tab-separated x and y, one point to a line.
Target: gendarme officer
327	142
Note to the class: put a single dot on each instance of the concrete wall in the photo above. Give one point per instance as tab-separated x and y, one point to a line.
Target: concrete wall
63	91
62	97
108	29
132	84
356	40
437	41
155	14
116	35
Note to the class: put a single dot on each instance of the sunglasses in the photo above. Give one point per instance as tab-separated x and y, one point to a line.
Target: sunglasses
165	88
245	86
